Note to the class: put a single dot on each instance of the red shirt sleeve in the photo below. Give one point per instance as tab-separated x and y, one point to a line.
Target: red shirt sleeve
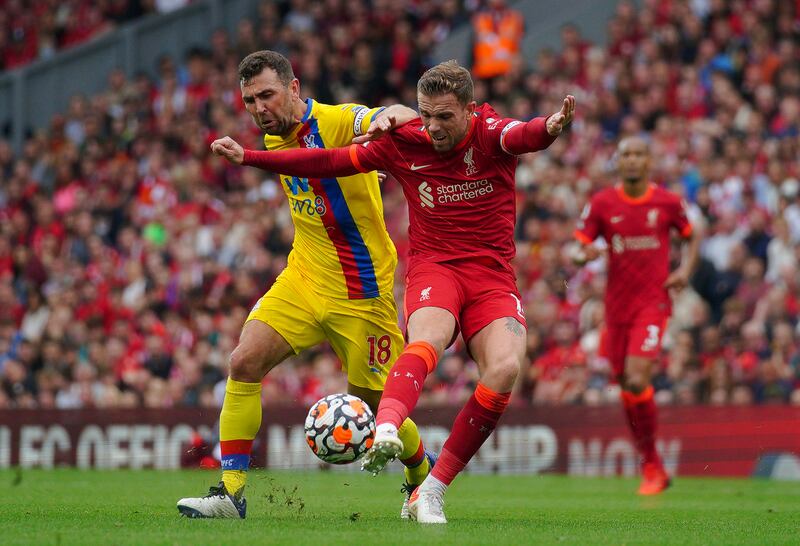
588	227
305	162
680	219
372	155
518	137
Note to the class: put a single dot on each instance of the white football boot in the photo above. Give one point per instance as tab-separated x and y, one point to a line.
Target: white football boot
217	504
408	488
426	507
385	449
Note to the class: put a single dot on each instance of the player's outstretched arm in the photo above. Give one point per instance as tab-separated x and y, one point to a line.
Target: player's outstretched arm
538	133
391	117
310	162
305	162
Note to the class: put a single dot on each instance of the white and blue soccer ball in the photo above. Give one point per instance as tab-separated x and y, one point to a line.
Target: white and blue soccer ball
340	428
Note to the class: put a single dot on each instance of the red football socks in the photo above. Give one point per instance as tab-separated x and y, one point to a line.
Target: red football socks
473	425
642	418
404	384
416	459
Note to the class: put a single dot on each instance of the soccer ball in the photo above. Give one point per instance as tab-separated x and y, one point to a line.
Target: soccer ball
340	428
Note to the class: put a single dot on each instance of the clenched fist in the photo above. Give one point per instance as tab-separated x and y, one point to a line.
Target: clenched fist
229	149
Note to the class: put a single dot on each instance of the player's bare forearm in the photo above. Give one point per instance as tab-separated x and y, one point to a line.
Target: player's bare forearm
389	119
691	253
402	114
679	278
304	162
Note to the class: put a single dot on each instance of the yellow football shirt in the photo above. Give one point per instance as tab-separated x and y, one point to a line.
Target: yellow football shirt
340	244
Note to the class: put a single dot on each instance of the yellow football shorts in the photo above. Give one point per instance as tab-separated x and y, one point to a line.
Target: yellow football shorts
363	333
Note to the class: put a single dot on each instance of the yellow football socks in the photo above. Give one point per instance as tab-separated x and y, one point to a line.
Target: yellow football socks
413	456
239	422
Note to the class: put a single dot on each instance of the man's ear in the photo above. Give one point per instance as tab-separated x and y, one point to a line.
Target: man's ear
294	88
471	108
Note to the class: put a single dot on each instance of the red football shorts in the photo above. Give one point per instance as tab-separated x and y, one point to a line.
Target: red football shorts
475	291
641	337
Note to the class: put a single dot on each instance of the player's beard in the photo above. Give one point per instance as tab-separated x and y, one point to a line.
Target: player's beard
632	180
279	125
276	126
443	146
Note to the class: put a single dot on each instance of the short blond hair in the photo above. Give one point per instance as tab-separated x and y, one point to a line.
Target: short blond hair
445	78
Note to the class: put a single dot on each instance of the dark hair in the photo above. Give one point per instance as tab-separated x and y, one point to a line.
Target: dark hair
447	77
252	65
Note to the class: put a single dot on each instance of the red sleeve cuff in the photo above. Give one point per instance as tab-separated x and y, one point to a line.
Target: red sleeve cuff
686	232
353	152
520	138
582	237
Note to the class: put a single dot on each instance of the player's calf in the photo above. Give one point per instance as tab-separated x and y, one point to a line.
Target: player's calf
472	426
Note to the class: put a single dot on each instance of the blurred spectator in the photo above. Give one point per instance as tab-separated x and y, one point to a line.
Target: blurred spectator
560	374
497	35
453	381
34	29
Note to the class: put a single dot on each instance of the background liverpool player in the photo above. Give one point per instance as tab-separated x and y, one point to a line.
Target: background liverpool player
456	166
635	218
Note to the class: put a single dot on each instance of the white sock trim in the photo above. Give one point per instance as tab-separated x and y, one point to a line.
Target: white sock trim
386	428
433	485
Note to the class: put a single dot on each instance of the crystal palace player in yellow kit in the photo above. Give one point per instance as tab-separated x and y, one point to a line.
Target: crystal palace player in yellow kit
337	285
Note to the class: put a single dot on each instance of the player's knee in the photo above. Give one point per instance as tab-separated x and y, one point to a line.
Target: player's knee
637	374
505	370
246	365
636	382
439	341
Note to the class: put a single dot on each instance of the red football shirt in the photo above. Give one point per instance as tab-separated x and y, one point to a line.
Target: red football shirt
638	235
461	203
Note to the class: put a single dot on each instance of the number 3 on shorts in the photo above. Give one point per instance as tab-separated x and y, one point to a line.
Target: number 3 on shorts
519	305
651	342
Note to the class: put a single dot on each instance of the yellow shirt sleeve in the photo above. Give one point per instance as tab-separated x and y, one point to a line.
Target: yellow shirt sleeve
359	117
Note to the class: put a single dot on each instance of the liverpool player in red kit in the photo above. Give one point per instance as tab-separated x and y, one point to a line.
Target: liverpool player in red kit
456	165
635	218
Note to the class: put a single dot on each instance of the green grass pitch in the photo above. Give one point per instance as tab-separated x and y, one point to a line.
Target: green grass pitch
138	507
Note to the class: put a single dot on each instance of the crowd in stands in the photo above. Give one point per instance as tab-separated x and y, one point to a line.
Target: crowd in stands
37	29
130	256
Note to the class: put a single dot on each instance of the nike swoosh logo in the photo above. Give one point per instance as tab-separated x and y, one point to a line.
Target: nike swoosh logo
418	167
